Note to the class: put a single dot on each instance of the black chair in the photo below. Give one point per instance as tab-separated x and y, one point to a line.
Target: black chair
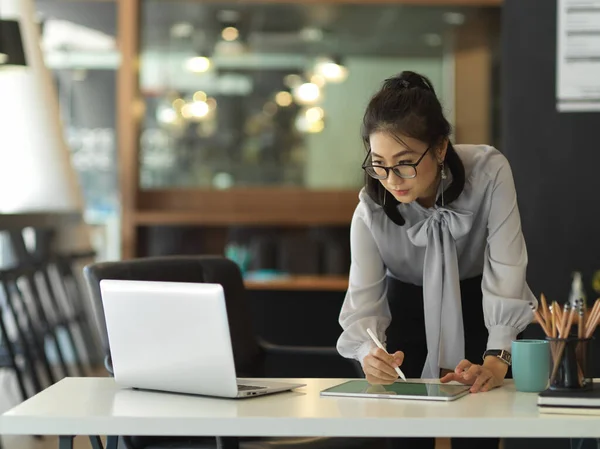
62	292
8	355
28	340
66	265
250	353
48	308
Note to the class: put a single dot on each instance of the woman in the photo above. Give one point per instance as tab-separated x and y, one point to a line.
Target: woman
438	256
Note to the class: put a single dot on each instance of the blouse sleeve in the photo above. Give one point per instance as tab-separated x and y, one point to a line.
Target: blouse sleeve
365	305
506	295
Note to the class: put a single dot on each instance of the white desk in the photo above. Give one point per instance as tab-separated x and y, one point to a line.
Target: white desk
97	406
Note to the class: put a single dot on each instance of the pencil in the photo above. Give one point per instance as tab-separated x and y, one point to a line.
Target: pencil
545	309
593	320
559	316
539	319
581	319
569	315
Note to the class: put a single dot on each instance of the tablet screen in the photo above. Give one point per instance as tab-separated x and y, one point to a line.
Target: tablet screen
423	390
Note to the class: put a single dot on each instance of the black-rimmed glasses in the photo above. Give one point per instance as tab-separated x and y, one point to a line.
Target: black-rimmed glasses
404	170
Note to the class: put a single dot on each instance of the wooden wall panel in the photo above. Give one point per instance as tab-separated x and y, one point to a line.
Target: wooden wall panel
281	206
128	119
473	82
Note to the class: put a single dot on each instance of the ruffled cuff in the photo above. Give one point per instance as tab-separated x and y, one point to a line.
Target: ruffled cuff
363	350
501	337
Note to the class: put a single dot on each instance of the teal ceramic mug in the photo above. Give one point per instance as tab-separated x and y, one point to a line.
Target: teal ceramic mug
530	365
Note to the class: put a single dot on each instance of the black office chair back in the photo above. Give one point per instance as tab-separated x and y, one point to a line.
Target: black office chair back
205	269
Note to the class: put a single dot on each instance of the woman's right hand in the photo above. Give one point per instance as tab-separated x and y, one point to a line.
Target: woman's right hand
380	367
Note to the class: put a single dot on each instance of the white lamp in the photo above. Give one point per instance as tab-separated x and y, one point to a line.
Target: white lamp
35	169
36	174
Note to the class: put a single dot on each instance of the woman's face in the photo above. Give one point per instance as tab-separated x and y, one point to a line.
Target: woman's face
388	151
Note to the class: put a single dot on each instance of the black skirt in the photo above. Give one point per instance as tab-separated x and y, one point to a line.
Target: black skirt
406	333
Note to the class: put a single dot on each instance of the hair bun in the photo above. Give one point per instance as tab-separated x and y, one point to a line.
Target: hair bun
408	80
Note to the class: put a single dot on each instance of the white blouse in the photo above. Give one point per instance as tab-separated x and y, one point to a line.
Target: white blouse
477	234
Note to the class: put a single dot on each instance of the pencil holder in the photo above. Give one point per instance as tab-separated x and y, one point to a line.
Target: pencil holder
571	363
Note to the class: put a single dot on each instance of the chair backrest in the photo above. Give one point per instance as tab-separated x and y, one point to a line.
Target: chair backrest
213	269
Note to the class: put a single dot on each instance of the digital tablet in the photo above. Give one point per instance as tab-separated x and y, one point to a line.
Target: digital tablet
399	390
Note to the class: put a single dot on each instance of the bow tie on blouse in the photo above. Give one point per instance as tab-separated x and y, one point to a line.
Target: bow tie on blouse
441	286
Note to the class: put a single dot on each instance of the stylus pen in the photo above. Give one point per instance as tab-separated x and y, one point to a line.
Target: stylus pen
379	345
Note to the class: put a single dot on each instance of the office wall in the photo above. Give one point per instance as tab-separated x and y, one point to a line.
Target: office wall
555	160
555	156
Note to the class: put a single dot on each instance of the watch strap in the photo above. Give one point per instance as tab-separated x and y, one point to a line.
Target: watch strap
500	353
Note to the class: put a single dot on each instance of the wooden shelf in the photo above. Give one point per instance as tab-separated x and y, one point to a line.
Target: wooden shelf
159	218
400	2
256	206
306	283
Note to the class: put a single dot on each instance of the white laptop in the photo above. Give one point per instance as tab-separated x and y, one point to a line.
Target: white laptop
172	336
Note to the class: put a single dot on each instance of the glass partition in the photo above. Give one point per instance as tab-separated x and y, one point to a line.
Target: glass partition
80	48
272	95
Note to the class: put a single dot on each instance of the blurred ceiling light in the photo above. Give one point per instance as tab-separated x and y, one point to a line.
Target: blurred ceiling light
292	81
319	80
178	104
332	71
306	126
301	123
454	18
433	39
307	93
182	30
230	34
200	96
166	115
197	64
195	110
212	103
314	114
310	34
284	99
316	126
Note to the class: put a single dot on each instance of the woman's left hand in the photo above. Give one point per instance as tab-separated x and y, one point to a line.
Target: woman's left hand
480	377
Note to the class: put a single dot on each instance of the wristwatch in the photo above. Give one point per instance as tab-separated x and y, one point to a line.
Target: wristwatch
500	353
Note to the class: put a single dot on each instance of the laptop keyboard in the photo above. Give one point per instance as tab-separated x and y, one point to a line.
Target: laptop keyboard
249	387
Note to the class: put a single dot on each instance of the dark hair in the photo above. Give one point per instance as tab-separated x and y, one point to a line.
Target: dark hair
407	104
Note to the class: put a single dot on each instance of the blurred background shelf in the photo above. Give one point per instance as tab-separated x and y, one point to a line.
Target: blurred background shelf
301	283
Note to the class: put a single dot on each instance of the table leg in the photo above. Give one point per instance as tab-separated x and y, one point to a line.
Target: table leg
65	442
112	442
227	443
96	442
